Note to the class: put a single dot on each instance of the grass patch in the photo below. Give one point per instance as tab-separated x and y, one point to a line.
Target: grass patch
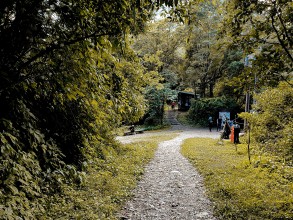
261	190
157	127
107	185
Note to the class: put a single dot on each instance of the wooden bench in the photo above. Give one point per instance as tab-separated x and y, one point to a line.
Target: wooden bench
138	131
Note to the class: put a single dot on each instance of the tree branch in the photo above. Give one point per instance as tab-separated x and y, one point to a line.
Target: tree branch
51	48
284	27
280	40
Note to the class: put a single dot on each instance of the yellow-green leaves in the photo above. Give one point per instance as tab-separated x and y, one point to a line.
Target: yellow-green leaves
271	120
239	190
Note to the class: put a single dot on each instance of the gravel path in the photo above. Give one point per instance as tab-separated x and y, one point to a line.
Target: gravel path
171	188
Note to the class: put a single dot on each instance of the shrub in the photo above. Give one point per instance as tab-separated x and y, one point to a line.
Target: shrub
201	109
272	121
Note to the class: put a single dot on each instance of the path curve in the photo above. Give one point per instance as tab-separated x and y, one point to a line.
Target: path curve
171	188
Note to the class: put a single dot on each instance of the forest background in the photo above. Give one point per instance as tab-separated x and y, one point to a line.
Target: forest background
71	72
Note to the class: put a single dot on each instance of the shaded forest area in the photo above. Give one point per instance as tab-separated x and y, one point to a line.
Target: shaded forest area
72	71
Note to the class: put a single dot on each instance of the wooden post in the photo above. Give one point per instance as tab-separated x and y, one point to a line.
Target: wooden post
247	102
248	143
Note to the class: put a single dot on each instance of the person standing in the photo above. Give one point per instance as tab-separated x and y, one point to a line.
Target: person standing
236	133
210	121
173	105
227	130
219	123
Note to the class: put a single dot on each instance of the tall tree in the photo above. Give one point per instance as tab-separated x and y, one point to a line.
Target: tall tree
203	57
263	28
162	50
166	39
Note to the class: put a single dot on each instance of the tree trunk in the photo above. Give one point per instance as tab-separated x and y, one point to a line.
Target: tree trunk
211	90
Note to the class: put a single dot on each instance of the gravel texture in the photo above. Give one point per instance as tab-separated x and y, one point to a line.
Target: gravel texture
171	188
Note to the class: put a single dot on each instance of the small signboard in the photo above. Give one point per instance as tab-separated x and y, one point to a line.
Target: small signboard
224	115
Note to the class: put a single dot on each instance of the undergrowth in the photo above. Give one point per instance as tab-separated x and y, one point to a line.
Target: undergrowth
107	185
240	190
182	118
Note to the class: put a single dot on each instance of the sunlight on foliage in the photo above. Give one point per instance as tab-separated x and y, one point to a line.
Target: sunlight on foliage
272	121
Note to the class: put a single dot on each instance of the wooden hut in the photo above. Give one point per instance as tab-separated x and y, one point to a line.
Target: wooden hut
184	100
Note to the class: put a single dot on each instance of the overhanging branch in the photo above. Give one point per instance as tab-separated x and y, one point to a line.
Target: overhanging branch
51	48
280	40
48	50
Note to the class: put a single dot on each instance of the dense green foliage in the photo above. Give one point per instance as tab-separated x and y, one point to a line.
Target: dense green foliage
230	83
156	99
248	49
263	28
158	49
239	190
272	121
201	109
66	119
164	43
67	78
202	67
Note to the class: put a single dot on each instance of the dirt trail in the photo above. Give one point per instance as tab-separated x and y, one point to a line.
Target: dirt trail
171	188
